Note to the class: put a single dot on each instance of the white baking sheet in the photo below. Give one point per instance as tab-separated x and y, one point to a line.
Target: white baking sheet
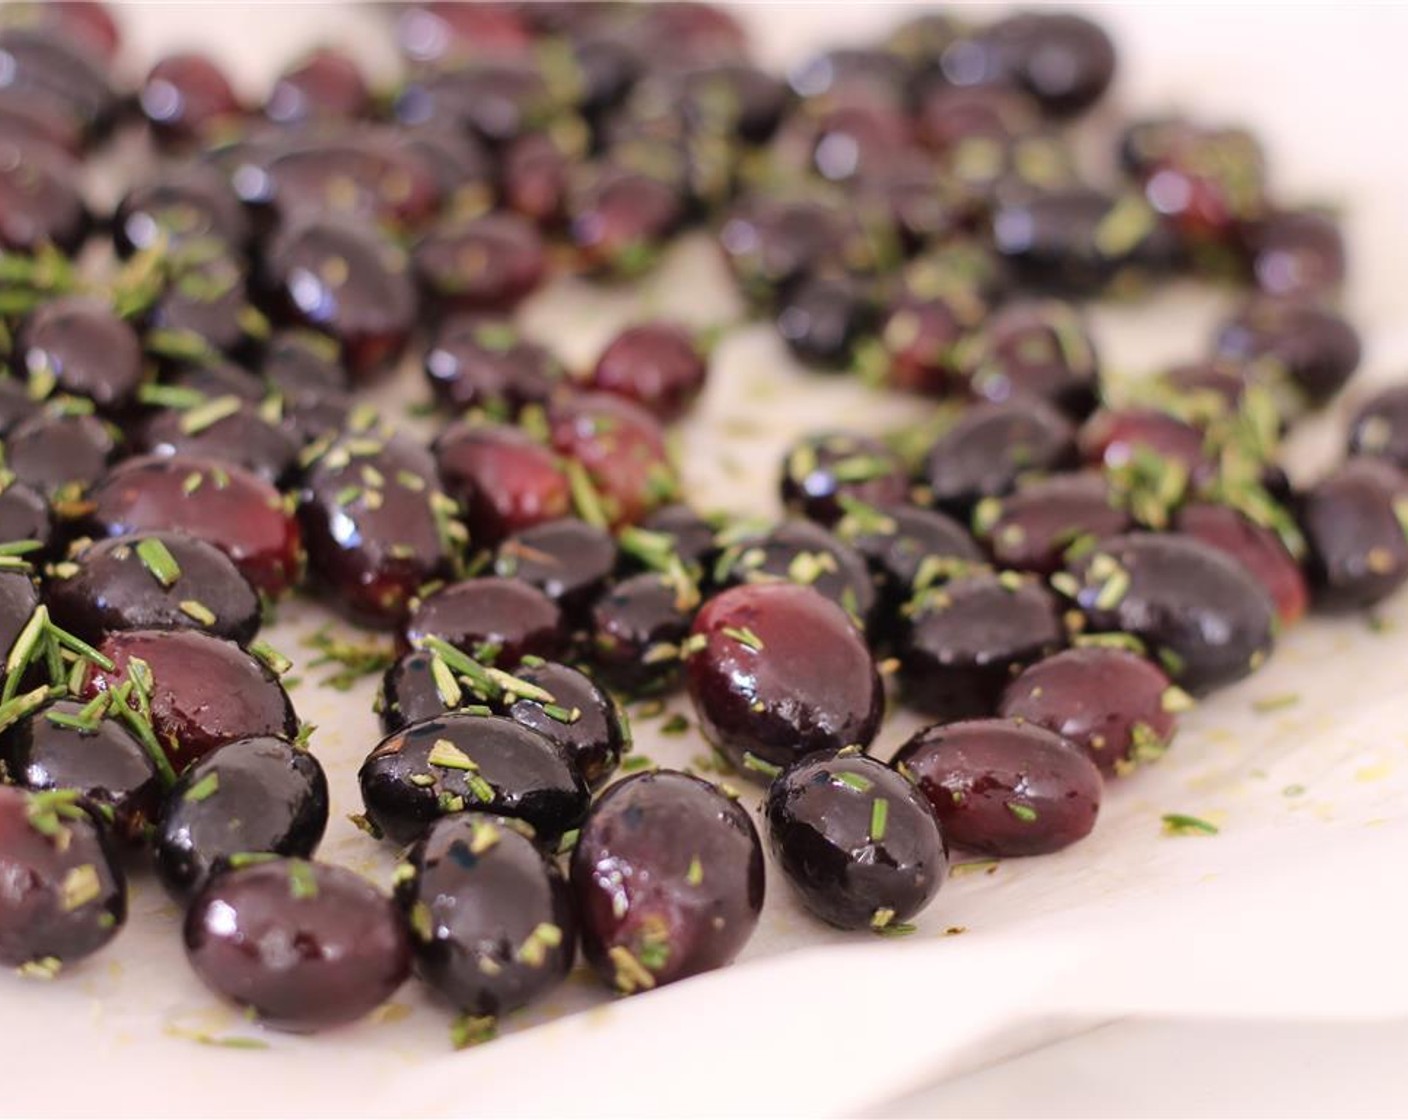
1296	910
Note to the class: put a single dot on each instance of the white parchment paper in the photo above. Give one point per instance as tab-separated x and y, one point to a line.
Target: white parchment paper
1296	910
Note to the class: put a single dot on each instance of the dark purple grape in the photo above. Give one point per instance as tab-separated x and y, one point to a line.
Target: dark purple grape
684	533
918	340
582	719
1257	547
1077	242
1380	427
203	691
619	220
79	346
410	692
465	760
40	201
206	302
735	99
1297	253
18	599
823	318
185	204
58	68
1115	705
241	515
778	672
962	642
302	369
658	365
1197	610
25	516
486	263
956	120
490	618
1127	442
152	581
536	174
16	404
503	479
225	430
1004	787
1030	530
259	795
1353	523
858	843
850	75
1038	350
491	913
436	32
568	560
637	632
770	243
1210	182
376	525
29	121
622	450
990	448
1064	60
301	946
496	100
347	281
66	894
362	177
462	166
906	548
667	876
821	472
186	98
1316	348
66	746
476	362
60	453
324	85
804	553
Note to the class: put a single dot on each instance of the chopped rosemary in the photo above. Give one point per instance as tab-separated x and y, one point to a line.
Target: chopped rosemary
695	875
1024	813
357	659
203	416
278	664
760	765
534	950
744	636
449	757
194	608
302	883
879	818
80	886
677	724
856	782
473	1030
204	788
631	976
157	559
632	763
1180	824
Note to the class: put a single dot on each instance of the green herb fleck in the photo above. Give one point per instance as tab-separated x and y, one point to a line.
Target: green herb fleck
879	818
1180	824
204	788
157	559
